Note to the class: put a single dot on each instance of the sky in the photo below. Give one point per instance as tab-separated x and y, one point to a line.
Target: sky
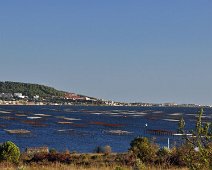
123	50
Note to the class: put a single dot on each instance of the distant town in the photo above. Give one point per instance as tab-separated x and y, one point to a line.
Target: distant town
75	99
16	93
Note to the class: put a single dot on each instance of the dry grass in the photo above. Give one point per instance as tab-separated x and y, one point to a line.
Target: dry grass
59	166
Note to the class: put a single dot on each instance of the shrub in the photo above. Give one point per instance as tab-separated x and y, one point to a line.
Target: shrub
52	150
162	152
119	168
177	154
139	165
192	158
199	155
39	157
51	157
127	159
164	156
107	149
144	150
9	152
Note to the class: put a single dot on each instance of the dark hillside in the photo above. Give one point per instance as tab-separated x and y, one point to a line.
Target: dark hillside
28	89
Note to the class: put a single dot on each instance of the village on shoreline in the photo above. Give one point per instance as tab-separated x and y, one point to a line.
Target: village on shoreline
17	93
91	102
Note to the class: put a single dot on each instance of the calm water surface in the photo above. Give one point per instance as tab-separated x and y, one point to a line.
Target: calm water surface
84	128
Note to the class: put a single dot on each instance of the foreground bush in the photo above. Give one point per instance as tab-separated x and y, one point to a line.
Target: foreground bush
195	159
87	160
9	152
164	156
199	155
143	149
195	151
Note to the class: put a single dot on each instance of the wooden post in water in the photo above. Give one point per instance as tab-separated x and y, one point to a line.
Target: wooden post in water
168	144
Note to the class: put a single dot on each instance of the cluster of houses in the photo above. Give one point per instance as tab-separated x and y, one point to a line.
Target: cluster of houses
17	99
72	99
15	96
73	96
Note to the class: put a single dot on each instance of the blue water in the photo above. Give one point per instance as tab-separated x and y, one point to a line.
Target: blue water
88	128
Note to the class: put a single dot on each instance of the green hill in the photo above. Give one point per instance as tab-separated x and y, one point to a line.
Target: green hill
29	90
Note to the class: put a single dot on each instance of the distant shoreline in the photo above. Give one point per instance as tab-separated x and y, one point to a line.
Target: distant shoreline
86	105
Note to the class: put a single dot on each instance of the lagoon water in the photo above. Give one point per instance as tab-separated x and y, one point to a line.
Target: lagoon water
82	129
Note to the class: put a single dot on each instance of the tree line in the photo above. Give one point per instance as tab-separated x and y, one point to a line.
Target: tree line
29	90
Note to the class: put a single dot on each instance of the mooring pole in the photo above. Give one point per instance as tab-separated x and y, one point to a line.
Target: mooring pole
168	143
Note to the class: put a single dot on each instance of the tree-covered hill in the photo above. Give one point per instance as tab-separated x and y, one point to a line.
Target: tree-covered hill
29	90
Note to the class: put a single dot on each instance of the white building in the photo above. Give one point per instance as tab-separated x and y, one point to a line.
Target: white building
36	97
19	95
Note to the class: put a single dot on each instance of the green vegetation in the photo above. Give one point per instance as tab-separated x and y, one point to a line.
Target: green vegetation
35	93
9	152
194	153
199	155
144	149
29	90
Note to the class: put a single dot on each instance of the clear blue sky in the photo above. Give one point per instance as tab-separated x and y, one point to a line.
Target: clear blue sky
124	50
